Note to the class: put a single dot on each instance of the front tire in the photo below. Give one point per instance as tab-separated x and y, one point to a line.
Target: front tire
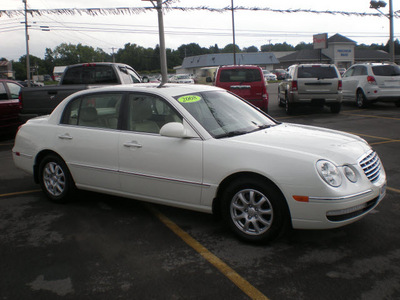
55	179
254	210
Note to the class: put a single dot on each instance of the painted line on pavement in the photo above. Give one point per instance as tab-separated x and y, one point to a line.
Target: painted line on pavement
370	116
393	190
231	274
19	193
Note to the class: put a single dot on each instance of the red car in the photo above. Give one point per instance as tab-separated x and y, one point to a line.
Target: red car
10	105
245	81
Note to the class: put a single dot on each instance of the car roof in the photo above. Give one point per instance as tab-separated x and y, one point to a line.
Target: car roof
10	80
169	89
240	67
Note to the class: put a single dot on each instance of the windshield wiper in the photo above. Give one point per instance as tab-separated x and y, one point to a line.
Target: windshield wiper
231	134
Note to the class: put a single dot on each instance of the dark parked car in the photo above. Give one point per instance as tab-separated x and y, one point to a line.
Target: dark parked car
280	73
9	105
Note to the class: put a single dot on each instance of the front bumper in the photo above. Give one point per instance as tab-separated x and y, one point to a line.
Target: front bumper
333	212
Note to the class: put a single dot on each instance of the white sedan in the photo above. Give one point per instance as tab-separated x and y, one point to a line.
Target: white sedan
202	148
181	78
269	76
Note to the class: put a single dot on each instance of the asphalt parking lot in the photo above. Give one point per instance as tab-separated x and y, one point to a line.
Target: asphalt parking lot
103	247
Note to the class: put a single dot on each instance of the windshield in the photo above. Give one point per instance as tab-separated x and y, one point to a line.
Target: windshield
223	114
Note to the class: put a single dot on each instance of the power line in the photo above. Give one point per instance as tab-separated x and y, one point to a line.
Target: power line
139	10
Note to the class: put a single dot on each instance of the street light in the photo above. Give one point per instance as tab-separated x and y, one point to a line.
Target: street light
377	5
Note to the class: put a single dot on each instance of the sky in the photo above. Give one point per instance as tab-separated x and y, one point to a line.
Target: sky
206	28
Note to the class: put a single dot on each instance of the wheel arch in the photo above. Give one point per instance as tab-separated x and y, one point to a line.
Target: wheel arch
39	157
216	207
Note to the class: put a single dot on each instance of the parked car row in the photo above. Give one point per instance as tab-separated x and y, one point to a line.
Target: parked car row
322	84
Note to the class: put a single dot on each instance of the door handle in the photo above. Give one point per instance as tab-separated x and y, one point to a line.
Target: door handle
132	144
65	136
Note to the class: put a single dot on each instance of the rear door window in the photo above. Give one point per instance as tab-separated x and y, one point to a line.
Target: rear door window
14	89
3	92
95	110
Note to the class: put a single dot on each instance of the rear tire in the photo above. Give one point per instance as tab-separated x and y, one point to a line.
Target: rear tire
280	103
254	210
336	107
55	179
289	107
361	100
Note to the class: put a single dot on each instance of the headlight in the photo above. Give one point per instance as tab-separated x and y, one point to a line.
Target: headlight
329	173
350	174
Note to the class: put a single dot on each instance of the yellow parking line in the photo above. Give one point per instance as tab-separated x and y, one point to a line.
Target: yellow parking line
19	193
393	190
370	116
385	142
372	136
231	274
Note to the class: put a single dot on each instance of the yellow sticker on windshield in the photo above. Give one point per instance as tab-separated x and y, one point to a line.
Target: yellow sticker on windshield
189	99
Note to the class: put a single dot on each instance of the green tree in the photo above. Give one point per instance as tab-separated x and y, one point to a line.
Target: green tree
303	46
250	49
192	49
229	49
37	67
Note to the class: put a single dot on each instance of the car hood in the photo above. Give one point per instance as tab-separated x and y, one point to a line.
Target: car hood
339	147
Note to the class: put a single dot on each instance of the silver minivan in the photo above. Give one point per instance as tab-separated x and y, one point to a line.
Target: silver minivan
311	84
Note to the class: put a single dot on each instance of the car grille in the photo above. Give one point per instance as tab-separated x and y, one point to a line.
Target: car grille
371	166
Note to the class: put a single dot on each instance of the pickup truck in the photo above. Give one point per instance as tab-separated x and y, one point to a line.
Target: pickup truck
37	101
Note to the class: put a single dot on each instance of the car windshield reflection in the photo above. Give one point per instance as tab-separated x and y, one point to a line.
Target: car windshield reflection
223	114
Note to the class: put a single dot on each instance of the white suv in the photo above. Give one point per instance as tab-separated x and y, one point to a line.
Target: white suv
371	82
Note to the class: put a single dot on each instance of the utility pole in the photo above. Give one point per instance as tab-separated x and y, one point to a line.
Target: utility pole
28	65
163	54
392	55
377	5
233	32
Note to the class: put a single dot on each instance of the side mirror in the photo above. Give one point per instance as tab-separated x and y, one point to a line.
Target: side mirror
145	79
208	79
178	130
